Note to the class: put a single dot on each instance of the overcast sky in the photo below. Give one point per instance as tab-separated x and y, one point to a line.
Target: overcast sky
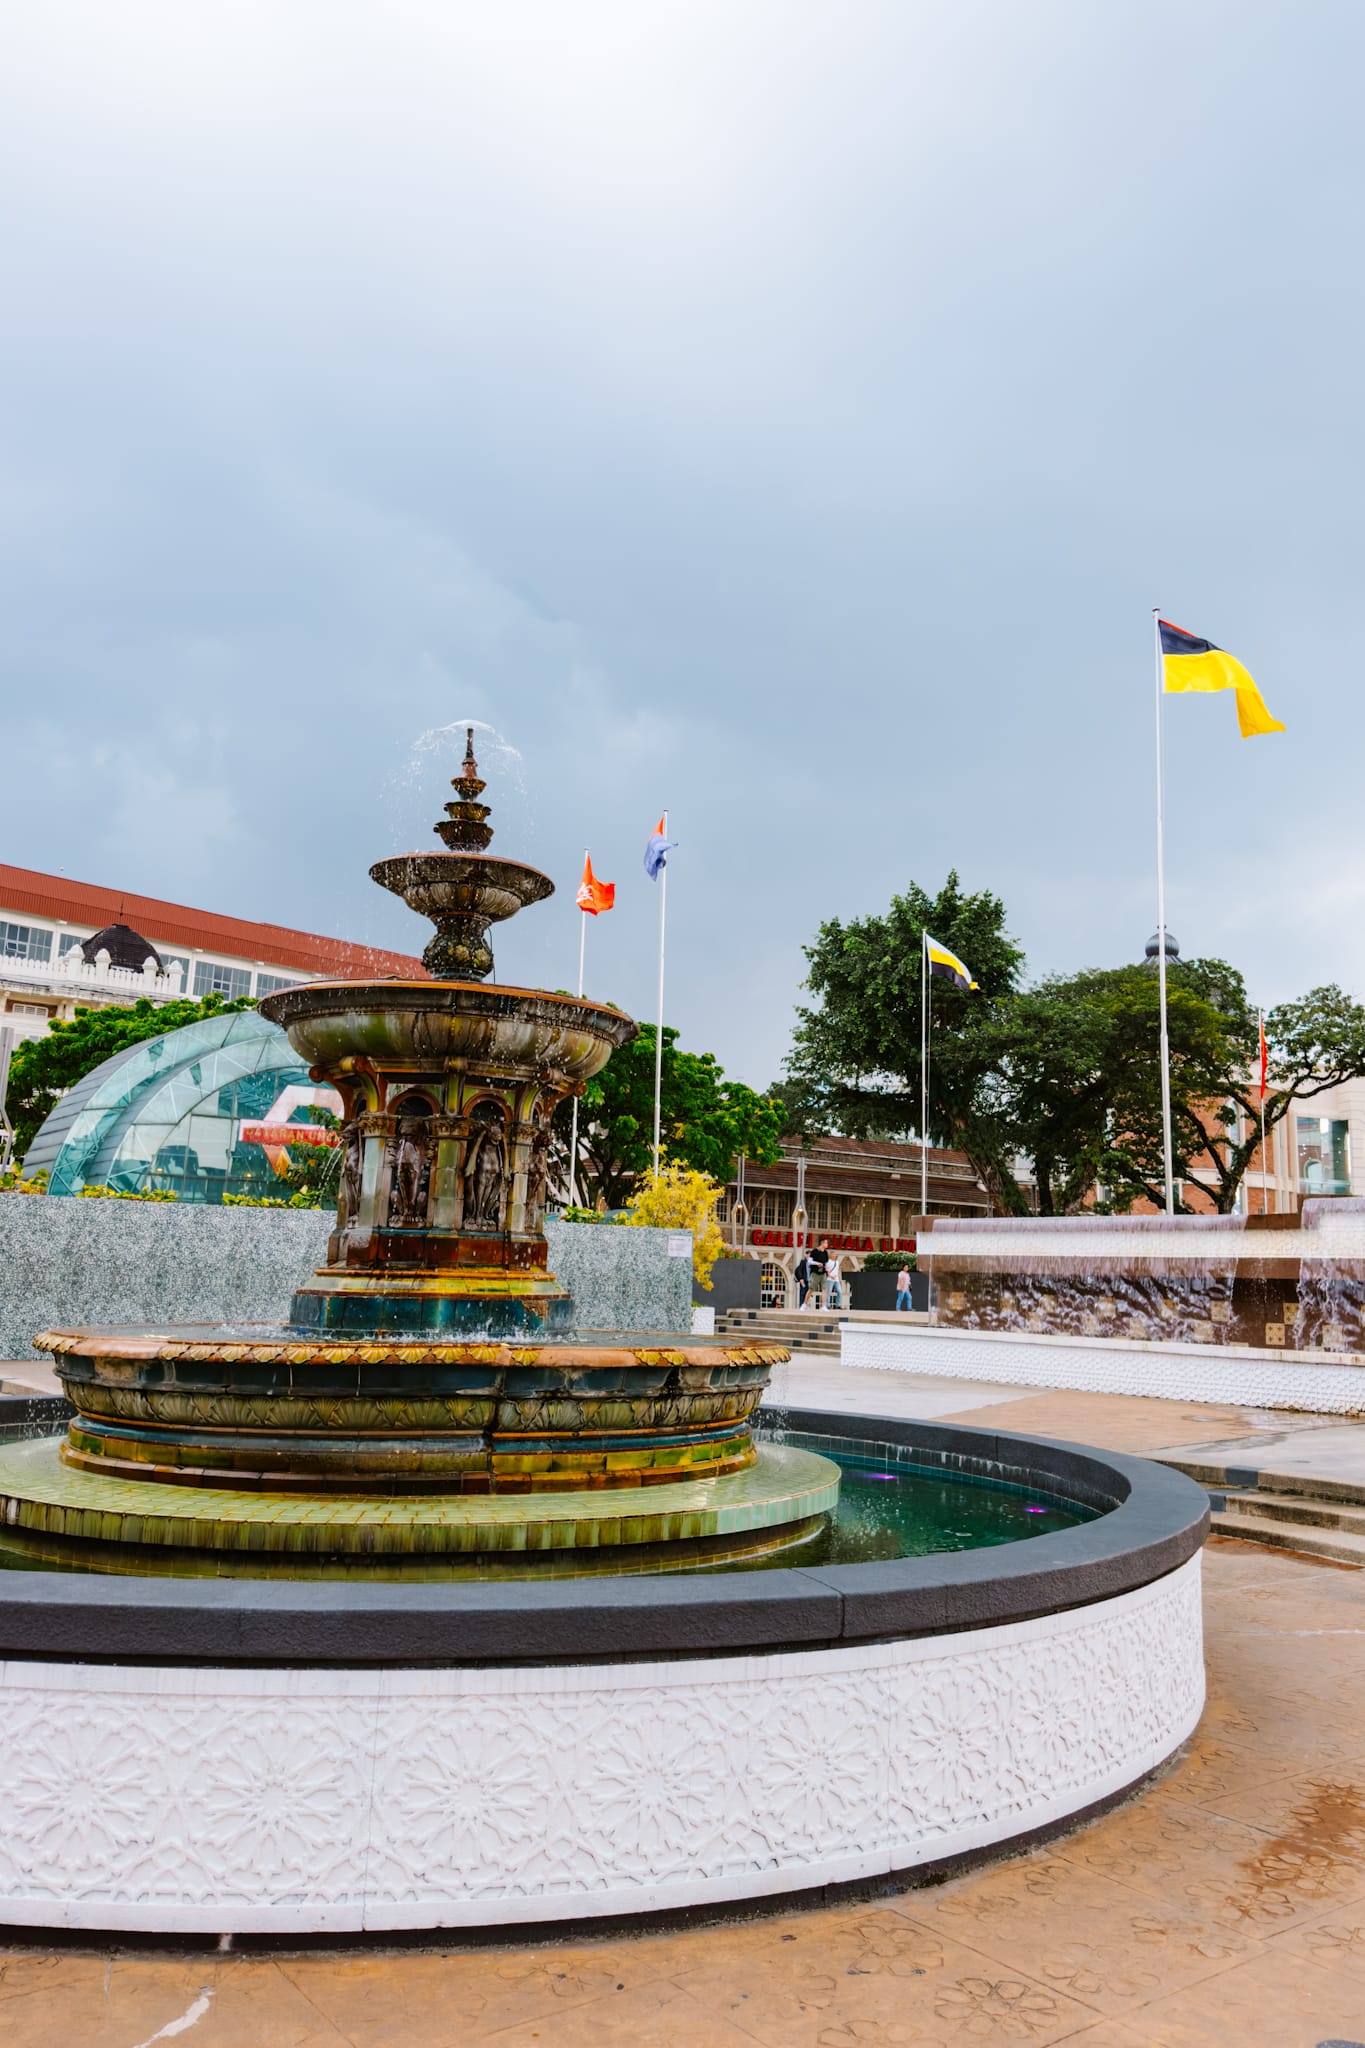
786	413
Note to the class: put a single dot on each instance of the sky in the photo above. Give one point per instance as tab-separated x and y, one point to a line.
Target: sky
787	414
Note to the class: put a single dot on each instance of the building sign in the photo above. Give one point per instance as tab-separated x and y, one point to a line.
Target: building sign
835	1240
289	1134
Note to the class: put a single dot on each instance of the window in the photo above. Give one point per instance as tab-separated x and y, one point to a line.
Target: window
170	960
772	1285
29	1010
211	979
266	984
24	942
1324	1155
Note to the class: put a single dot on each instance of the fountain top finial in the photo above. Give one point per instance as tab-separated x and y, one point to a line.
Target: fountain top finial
464	828
465	889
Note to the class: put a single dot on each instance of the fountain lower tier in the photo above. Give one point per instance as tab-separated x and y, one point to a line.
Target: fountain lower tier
51	1515
276	1412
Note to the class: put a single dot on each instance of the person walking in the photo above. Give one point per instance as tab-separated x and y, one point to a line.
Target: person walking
834	1277
903	1299
801	1275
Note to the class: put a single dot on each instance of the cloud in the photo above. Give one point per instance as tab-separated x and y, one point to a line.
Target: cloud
787	415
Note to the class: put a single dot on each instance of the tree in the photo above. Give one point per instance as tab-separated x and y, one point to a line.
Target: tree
855	1060
705	1120
681	1198
42	1069
1079	1079
1315	1043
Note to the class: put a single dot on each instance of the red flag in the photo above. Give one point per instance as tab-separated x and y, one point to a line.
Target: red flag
593	895
1264	1058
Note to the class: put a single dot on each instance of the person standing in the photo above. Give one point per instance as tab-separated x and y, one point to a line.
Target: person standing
903	1298
801	1275
819	1261
834	1274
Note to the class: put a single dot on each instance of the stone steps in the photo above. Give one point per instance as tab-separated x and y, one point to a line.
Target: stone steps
810	1333
1316	1528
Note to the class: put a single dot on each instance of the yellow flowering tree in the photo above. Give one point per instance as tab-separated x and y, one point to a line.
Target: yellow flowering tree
682	1198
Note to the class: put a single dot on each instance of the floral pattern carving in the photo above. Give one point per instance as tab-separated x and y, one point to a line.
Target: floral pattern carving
202	1799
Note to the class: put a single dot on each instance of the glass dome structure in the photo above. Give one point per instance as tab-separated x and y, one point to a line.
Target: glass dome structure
168	1113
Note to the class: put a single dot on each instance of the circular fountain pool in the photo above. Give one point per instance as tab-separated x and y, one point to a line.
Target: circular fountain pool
822	1503
290	1757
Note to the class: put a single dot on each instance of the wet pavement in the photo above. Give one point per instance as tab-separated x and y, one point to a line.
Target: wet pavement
1224	1905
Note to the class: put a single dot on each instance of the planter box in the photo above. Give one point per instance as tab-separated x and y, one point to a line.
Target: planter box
872	1292
734	1284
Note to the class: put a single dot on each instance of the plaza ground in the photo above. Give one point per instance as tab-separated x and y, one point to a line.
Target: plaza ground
1224	1905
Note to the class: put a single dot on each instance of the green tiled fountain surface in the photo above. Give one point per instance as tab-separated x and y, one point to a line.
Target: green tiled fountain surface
43	1497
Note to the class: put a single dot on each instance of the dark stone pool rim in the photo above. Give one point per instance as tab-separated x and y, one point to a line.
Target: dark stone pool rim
1154	1519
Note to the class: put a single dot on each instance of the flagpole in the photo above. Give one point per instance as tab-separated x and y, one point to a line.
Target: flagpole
1261	1063
924	1073
659	1039
573	1141
1166	1145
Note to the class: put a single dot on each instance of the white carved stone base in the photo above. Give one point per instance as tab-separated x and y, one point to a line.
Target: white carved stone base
1114	1365
203	1800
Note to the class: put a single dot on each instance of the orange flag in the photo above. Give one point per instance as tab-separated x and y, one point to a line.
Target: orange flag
594	895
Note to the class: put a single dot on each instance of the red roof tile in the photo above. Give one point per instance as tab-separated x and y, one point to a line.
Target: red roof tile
173	924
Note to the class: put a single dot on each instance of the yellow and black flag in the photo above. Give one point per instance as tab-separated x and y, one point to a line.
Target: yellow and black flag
941	961
1191	664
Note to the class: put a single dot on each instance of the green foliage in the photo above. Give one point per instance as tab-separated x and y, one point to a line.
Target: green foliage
571	1213
855	1061
1067	1073
254	1202
313	1175
887	1262
682	1198
42	1069
706	1121
127	1194
13	1182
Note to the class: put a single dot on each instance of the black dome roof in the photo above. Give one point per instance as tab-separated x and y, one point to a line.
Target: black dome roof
125	947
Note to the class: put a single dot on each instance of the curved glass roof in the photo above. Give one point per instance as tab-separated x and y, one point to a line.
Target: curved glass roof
167	1113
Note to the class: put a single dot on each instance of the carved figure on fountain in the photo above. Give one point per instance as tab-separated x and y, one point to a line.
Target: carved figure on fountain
412	1172
485	1169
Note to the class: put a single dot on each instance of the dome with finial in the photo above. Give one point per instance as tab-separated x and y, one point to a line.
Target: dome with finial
1153	948
125	947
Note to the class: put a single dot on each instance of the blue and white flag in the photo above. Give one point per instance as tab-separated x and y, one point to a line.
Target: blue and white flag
658	849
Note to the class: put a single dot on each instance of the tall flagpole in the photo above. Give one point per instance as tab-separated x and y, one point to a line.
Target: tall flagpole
924	1073
573	1141
659	1040
1161	935
1261	1063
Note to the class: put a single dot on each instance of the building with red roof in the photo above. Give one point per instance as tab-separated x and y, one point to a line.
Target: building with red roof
64	943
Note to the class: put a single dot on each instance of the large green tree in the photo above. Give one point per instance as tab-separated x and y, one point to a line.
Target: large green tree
42	1069
1066	1074
1315	1043
706	1121
855	1059
1078	1077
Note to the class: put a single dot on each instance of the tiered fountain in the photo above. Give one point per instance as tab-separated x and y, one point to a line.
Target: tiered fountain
428	1408
221	1749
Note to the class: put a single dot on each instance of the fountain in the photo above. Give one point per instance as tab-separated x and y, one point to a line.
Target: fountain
234	1703
428	1407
